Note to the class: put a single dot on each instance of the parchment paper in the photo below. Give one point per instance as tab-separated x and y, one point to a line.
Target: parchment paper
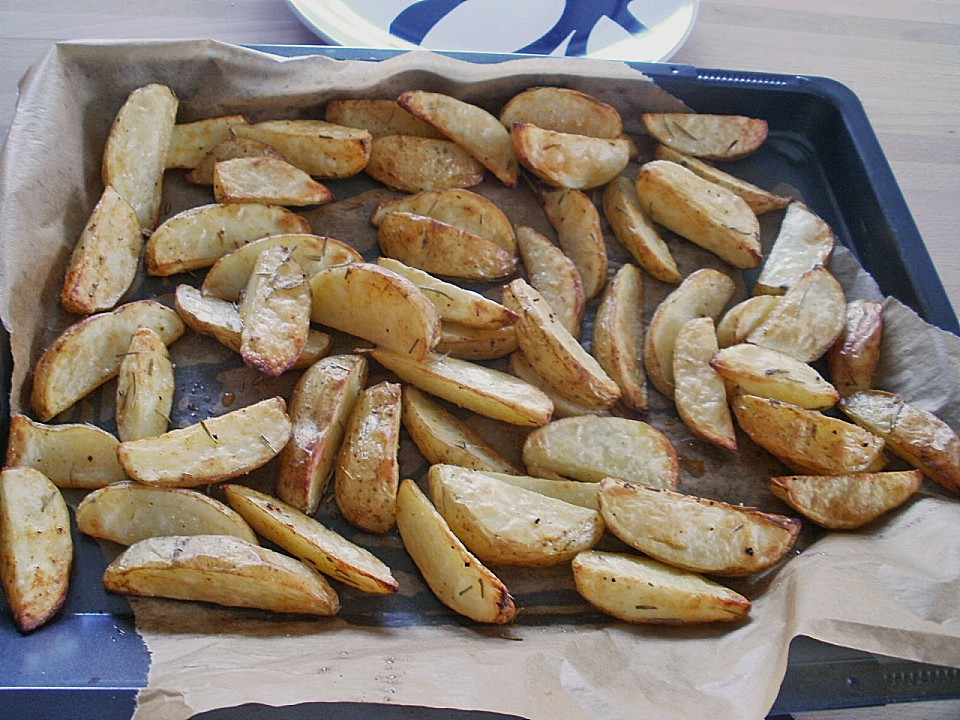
893	588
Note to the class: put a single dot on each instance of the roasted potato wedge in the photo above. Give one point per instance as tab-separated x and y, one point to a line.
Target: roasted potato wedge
230	149
416	164
804	242
577	222
703	212
555	276
642	590
220	569
521	368
618	336
808	441
191	142
104	261
318	148
570	491
128	512
198	237
569	160
712	137
88	353
211	450
703	293
145	386
472	343
311	542
563	110
853	358
693	533
457	578
743	318
136	150
919	437
322	402
36	551
846	502
379	118
504	524
483	390
405	321
266	180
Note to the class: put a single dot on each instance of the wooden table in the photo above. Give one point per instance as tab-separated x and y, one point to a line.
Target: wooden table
900	58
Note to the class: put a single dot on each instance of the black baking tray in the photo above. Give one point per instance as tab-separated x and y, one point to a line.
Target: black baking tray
90	662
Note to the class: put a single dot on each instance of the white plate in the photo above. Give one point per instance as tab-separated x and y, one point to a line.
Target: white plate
638	30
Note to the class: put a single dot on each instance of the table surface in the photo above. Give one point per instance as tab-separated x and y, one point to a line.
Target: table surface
902	59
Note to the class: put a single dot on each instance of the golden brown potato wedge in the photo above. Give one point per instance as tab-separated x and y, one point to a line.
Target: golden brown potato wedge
88	353
416	164
563	110
136	149
568	160
521	368
145	386
846	502
703	212
808	441
703	293
318	148
743	318
504	524
457	578
230	149
320	407
479	388
367	469
379	118
191	142
211	450
577	222
804	242
471	127
200	236
618	336
128	512
693	533
713	137
104	261
919	437
554	275
472	343
405	321
311	542
571	491
220	569
853	358
641	590
36	551
636	232
266	180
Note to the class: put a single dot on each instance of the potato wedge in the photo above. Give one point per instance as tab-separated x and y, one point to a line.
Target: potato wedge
36	550
88	353
618	336
555	276
703	212
590	448
554	353
145	387
713	137
577	222
104	261
200	236
853	358
471	127
405	321
700	394
220	569
756	370
320	407
443	438
808	441
919	437
504	524
416	164
230	149
804	242
570	491
211	450
483	390
693	533
266	180
311	542
636	232
128	512
741	320
379	118
521	368
191	142
703	293
457	578
367	469
318	148
70	455
136	150
809	318
568	160
275	313
641	590
472	343
443	249
563	110
846	502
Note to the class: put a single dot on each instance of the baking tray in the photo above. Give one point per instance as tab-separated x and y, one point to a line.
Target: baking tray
91	662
